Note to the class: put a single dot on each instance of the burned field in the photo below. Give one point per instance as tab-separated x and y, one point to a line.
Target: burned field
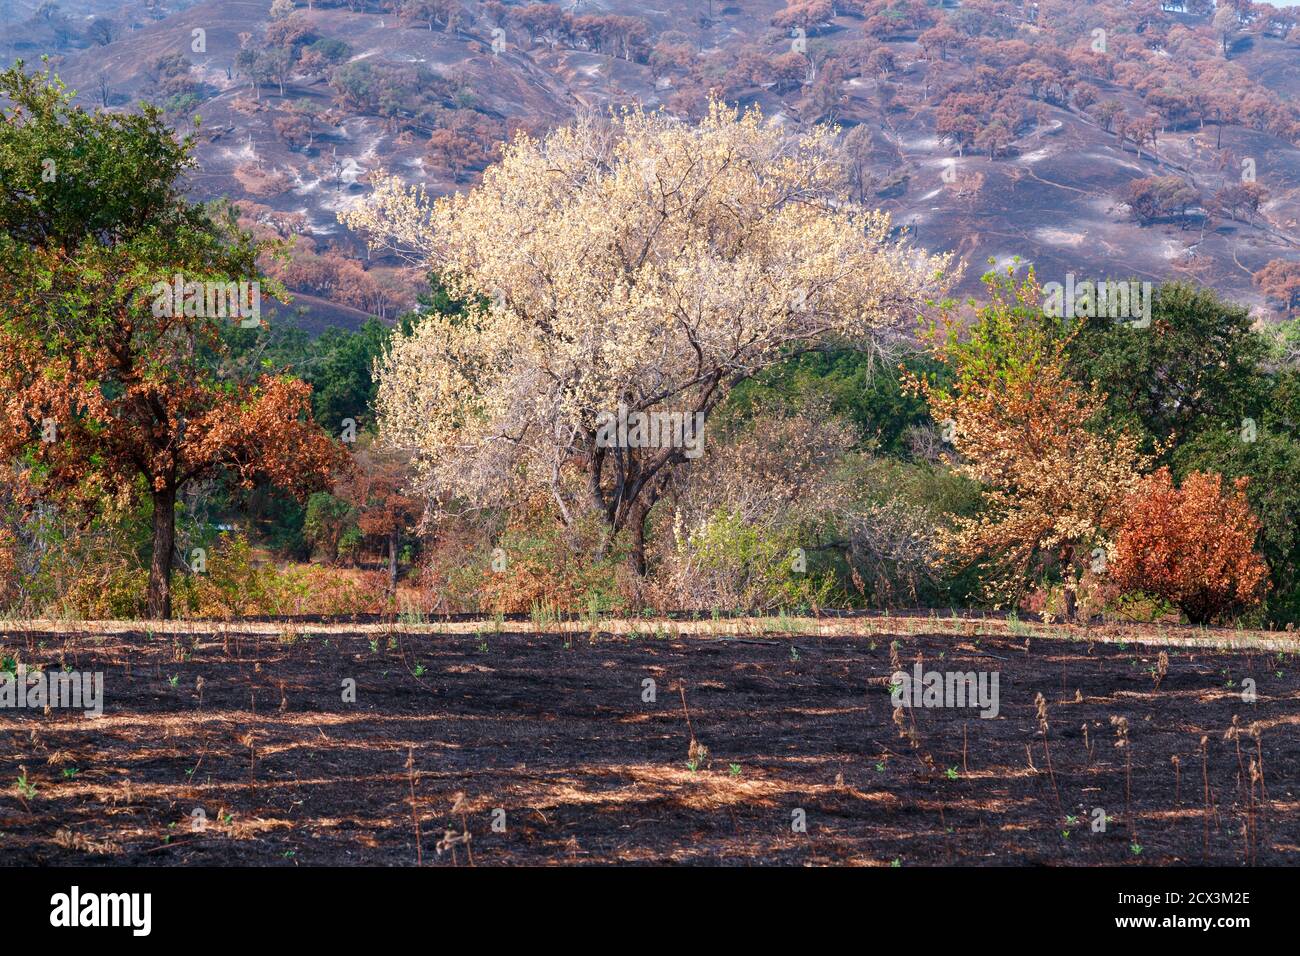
235	745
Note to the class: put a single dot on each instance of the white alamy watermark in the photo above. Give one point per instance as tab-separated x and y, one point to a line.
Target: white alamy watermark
946	689
65	690
624	429
74	909
1122	301
212	300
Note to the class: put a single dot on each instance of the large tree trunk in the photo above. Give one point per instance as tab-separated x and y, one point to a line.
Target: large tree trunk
637	516
1071	603
164	541
1069	584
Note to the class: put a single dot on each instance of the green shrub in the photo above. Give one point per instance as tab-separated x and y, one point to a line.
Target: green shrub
731	563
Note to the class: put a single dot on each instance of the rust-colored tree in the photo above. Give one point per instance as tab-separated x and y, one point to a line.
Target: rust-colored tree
807	14
385	512
108	376
1192	545
1279	280
1020	426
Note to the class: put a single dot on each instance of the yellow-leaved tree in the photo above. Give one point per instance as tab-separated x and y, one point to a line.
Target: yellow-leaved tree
634	265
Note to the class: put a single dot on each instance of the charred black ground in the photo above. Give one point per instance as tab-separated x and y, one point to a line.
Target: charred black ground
555	730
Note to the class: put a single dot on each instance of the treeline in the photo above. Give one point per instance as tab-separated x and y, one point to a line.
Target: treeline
1013	458
830	482
172	460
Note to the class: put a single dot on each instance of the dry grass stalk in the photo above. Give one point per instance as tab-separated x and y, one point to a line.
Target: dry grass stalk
1205	778
696	753
1162	668
1122	743
1040	703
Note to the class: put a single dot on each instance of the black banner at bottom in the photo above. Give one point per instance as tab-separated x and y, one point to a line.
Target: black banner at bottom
337	905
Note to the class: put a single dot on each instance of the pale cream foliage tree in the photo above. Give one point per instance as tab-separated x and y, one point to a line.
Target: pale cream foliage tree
637	260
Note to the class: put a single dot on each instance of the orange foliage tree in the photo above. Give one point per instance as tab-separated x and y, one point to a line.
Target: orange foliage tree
107	377
377	489
1194	546
1020	426
1280	281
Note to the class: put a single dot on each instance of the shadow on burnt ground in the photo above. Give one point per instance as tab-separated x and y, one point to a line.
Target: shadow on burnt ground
554	731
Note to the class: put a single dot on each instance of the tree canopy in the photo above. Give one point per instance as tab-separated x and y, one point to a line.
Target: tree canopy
112	358
642	263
